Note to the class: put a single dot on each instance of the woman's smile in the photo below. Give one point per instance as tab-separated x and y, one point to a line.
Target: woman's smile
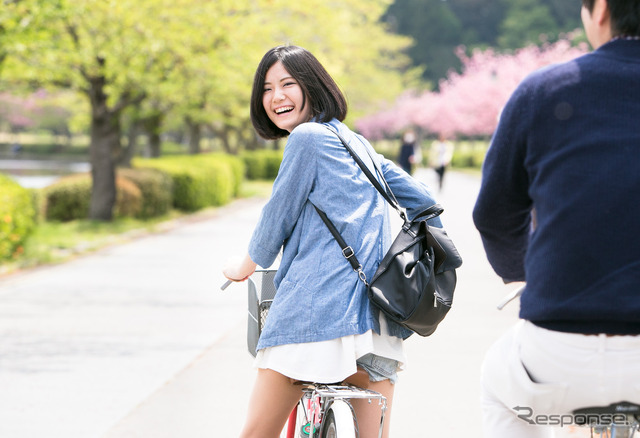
283	99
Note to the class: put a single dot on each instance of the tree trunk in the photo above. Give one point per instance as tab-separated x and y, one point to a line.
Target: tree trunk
245	137
195	135
223	135
152	125
105	144
154	144
132	140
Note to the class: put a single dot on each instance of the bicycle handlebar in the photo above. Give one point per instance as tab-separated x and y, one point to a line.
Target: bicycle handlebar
512	296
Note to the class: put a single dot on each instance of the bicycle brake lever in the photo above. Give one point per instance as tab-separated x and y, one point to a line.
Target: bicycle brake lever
226	284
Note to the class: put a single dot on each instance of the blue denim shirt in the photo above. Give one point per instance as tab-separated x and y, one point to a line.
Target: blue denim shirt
319	295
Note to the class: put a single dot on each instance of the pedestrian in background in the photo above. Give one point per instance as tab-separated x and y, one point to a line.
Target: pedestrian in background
441	155
410	154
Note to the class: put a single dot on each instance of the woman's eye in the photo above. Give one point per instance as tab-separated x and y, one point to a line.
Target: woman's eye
289	83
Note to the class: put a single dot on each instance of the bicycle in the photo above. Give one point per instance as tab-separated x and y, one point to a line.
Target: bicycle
618	420
324	410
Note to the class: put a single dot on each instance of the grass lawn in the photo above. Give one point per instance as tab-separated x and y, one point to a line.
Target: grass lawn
56	242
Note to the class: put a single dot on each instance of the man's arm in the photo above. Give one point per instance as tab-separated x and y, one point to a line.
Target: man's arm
502	212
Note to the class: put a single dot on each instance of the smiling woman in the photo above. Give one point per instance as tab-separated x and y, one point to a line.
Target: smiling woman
283	99
285	73
321	326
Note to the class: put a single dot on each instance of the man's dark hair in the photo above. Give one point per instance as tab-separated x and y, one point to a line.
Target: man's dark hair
318	87
625	16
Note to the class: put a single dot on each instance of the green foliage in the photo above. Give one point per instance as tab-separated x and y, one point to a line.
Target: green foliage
38	202
436	32
526	22
262	164
69	198
199	181
156	188
480	20
194	59
128	199
388	148
438	27
236	165
17	217
53	242
469	155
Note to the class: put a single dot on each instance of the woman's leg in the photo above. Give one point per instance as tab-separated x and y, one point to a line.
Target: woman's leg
273	398
368	414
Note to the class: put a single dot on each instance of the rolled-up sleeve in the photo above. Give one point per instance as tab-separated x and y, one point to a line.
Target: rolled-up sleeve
291	190
412	195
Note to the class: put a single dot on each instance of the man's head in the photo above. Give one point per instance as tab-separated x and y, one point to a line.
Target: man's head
604	19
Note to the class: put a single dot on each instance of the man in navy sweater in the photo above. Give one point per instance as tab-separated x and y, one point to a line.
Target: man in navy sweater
559	208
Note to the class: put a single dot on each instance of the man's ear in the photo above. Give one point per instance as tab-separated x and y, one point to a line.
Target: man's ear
601	13
601	17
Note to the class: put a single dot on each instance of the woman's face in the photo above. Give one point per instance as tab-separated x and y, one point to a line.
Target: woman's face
282	99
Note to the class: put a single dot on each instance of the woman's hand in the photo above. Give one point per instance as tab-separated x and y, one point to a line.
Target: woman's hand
239	269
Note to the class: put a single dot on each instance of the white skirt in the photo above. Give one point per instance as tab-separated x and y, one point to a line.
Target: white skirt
330	361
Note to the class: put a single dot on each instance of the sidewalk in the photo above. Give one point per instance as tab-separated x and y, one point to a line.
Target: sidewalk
138	341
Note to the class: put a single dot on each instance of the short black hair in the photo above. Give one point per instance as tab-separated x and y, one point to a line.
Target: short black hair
318	87
588	4
625	16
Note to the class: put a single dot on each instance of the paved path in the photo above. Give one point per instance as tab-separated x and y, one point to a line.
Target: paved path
138	341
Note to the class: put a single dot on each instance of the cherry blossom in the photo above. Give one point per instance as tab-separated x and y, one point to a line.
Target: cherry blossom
468	103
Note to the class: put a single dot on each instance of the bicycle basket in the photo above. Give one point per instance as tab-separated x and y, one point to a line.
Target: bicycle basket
260	295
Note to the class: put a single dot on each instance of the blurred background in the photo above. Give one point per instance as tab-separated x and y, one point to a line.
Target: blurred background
120	94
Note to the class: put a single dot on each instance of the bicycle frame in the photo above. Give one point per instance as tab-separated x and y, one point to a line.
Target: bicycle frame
317	399
316	403
618	420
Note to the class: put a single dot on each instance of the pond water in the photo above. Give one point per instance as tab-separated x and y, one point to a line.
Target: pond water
35	173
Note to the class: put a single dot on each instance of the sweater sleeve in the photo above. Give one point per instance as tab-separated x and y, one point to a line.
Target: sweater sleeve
502	213
290	192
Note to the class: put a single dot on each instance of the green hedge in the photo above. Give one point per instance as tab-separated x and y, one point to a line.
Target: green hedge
236	164
199	181
17	217
262	164
156	188
69	198
465	158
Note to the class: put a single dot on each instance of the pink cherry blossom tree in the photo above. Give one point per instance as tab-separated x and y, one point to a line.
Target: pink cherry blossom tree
17	111
468	103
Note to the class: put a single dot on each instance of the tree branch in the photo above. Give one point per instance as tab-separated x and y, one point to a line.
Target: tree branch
126	100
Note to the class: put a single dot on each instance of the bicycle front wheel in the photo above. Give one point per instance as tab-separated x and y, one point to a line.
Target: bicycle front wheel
339	421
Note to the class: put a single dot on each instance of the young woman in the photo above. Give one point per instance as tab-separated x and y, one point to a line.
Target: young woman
321	327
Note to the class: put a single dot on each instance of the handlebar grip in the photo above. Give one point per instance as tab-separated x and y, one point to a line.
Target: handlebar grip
512	296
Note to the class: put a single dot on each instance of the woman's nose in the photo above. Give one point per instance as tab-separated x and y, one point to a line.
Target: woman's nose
278	95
